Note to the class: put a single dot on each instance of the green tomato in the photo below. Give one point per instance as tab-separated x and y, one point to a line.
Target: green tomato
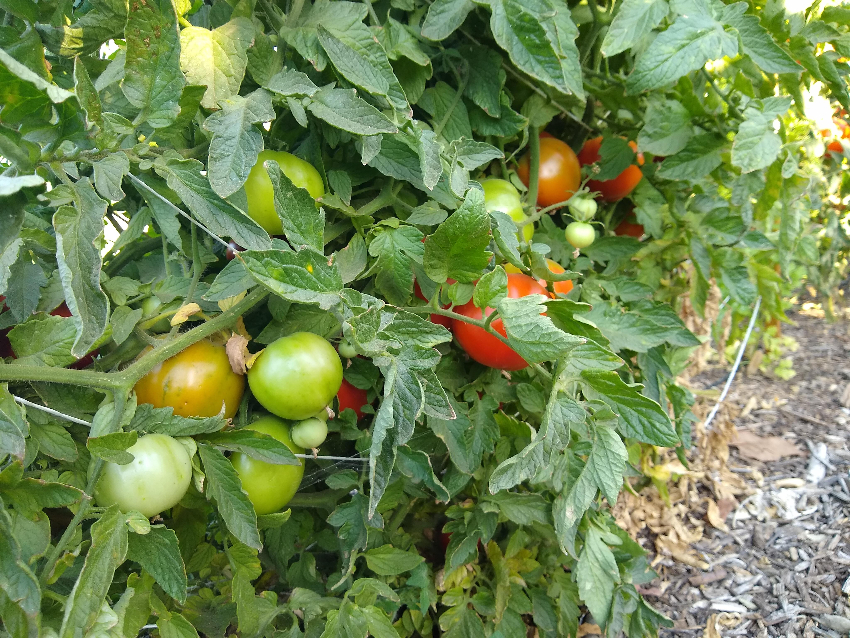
269	486
580	234
260	194
346	350
296	376
501	195
155	480
309	433
153	306
583	208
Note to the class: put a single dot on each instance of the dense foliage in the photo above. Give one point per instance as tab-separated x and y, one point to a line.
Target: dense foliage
149	147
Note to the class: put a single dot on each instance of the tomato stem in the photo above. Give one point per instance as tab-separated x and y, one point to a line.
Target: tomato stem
533	168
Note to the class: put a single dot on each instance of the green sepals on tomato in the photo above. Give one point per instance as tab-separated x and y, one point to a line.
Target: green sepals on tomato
484	347
501	195
309	433
580	234
269	486
611	190
196	382
559	176
154	481
296	376
260	194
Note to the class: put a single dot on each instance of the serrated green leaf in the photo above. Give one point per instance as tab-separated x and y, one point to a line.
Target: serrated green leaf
698	159
344	110
597	574
113	447
163	421
304	277
458	248
396	250
13	427
222	484
532	334
756	145
667	128
254	444
109	172
390	561
690	42
757	42
236	141
303	222
634	20
152	80
158	552
216	59
103	22
444	17
639	417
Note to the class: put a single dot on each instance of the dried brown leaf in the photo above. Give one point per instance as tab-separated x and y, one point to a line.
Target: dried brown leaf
714	518
764	448
237	353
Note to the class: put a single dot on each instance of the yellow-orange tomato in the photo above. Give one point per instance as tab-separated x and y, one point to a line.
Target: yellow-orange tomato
562	287
559	176
195	382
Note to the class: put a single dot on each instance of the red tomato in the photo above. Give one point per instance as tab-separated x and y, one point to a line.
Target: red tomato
562	287
629	226
559	176
482	346
835	146
446	322
354	398
611	190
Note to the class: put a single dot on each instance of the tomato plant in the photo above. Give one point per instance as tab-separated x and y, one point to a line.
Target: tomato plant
284	176
559	174
195	382
611	190
154	481
484	347
269	486
259	192
296	376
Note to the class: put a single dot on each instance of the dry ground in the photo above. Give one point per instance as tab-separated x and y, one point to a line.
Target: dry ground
749	547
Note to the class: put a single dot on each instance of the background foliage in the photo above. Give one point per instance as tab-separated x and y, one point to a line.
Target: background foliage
127	131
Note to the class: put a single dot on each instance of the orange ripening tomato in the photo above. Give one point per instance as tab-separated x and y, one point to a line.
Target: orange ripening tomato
196	382
611	190
559	176
482	346
835	146
629	227
562	287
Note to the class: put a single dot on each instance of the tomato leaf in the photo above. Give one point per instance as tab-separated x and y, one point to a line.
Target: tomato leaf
667	128
757	145
113	447
255	444
757	42
18	583
698	159
344	110
491	287
416	465
216	59
13	427
304	277
390	561
639	417
223	485
458	248
107	552
521	508
532	334
149	419
634	20
158	552
152	78
396	250
597	574
236	142
444	17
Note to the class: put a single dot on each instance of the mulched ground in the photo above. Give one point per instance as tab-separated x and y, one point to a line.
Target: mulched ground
780	568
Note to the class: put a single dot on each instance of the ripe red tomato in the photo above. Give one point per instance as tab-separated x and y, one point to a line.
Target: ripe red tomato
195	382
629	227
562	287
835	146
446	322
354	398
611	190
560	173
482	346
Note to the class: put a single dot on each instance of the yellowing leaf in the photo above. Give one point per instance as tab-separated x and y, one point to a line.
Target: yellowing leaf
184	313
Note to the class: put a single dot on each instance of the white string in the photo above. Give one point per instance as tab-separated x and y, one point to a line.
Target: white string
738	359
140	183
74	419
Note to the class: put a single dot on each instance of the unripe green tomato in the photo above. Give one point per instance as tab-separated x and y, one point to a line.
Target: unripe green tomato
151	307
501	195
346	350
269	486
580	234
260	194
583	208
155	480
296	376
309	433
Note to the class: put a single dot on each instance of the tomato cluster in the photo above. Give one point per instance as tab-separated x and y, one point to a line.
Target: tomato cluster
611	190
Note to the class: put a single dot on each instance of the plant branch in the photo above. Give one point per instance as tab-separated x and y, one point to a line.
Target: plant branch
533	167
732	108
